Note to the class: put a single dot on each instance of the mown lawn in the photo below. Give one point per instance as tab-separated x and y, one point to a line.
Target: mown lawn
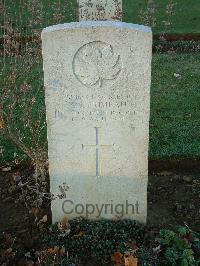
185	19
28	15
175	102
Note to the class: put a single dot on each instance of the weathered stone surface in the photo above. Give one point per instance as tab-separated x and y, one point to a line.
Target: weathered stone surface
100	10
97	79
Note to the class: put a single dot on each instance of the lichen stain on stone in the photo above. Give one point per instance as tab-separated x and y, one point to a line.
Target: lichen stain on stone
100	10
118	11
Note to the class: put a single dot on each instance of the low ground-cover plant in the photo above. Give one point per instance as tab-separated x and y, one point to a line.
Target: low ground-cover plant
102	239
104	242
97	239
179	246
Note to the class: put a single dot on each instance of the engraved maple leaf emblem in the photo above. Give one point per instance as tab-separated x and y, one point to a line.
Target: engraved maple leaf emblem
96	63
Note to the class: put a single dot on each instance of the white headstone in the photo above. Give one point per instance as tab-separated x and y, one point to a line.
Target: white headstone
97	79
100	10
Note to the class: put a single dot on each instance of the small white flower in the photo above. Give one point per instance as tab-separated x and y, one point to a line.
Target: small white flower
177	76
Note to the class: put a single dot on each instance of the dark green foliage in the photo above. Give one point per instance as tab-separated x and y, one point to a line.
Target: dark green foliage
90	240
178	246
97	242
97	239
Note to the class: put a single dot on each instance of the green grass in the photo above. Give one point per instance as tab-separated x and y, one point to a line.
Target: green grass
30	107
185	19
175	116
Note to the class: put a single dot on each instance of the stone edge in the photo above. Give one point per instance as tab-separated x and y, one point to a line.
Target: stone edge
96	24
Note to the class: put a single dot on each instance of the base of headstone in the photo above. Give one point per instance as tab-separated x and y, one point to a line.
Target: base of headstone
101	197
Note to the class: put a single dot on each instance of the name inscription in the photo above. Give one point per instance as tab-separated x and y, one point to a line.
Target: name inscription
99	107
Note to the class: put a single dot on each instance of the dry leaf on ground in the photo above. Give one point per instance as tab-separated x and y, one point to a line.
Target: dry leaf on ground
6	169
44	219
130	261
37	212
1	124
117	258
165	173
64	226
80	234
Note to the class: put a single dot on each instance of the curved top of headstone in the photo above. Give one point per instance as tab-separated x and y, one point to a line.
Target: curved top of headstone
97	24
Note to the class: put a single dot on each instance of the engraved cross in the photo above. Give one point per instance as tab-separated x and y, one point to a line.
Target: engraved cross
98	147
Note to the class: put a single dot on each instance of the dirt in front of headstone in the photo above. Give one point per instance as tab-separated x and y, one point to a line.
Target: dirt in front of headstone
19	214
173	199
